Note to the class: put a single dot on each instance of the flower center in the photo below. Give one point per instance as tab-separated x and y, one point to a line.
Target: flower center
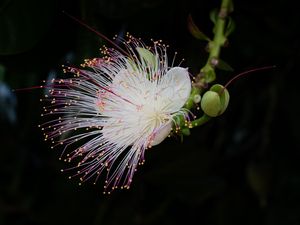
159	118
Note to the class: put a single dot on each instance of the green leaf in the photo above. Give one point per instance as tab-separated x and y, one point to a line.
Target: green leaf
195	31
259	177
222	65
213	15
231	6
23	24
230	27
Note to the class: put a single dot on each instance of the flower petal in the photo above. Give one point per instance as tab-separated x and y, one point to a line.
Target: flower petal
149	58
175	88
161	133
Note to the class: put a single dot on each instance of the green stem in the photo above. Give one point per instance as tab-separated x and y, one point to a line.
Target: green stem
219	37
207	73
200	121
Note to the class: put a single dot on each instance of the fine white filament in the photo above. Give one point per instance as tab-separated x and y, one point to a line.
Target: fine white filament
109	114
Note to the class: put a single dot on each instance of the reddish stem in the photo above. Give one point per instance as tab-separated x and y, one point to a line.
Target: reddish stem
248	72
96	32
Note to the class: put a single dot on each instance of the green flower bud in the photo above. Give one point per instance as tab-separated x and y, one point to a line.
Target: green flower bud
215	101
197	98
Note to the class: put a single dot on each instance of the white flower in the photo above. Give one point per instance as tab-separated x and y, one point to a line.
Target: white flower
113	112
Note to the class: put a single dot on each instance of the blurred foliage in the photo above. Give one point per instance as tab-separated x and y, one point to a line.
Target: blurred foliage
240	168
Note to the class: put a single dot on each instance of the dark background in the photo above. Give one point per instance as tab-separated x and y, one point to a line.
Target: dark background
241	168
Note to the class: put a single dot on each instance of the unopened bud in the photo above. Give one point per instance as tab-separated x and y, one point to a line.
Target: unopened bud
215	101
